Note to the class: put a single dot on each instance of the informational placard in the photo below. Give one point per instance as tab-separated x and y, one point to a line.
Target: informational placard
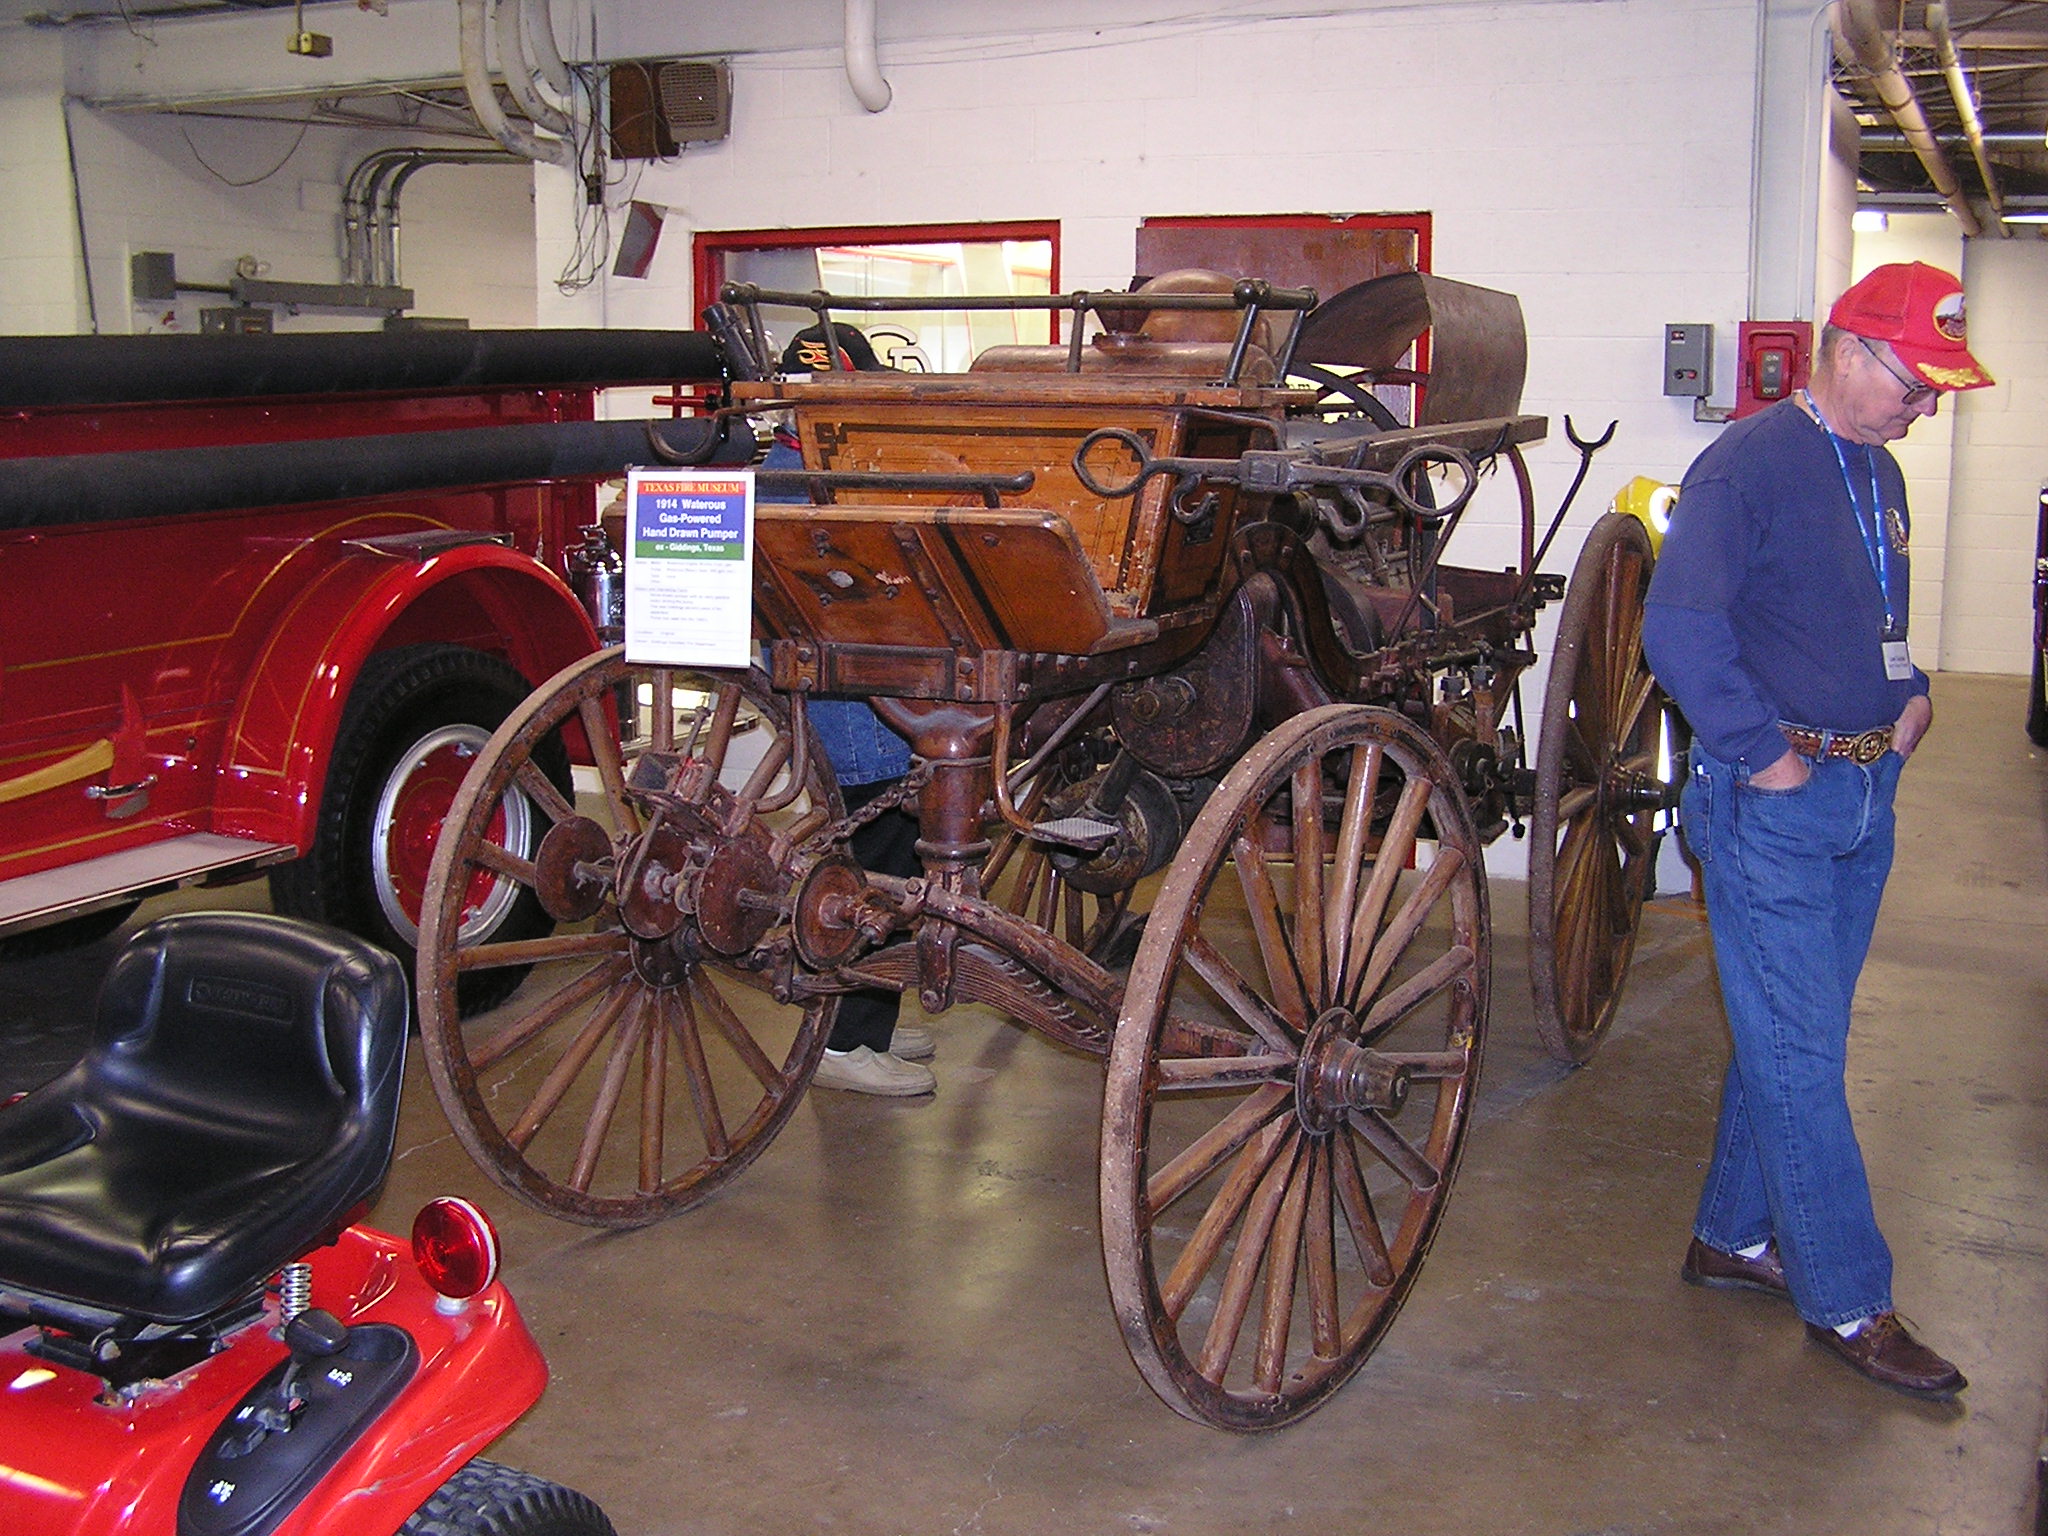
689	567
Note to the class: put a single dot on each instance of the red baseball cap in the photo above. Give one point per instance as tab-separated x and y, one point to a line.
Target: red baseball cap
1918	309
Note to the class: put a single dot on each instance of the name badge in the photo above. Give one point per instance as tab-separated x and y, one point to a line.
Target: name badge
1898	661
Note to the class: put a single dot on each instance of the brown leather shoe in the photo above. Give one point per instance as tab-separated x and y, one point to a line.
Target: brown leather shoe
1709	1266
1884	1351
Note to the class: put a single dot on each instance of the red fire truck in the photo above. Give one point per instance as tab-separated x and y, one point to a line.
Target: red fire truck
262	597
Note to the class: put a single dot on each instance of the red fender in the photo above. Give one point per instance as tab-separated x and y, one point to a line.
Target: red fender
484	595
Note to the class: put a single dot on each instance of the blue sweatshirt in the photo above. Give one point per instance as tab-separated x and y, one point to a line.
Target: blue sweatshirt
1765	605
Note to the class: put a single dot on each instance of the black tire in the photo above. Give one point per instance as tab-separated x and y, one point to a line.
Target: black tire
424	710
2037	702
485	1499
68	934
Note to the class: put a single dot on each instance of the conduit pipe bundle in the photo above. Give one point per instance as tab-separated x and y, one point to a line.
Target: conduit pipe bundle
1869	46
473	37
369	208
1966	107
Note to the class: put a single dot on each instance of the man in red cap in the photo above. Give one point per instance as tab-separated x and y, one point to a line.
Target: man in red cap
1777	621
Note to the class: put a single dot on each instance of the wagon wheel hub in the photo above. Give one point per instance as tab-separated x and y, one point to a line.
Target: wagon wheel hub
1626	791
1336	1075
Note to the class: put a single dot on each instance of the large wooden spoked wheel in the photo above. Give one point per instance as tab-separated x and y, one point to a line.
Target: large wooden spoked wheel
1592	843
629	1077
1294	1068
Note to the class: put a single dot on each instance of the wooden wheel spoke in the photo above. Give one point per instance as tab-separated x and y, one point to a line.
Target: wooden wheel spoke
1630	708
736	1034
1206	1242
548	1097
1406	923
661	705
1240	1278
504	863
545	1013
1354	828
717	740
1393	1149
1582	759
1223	1071
1359	1215
1396	848
597	1128
540	789
1262	904
697	1072
1325	1301
1276	1311
611	767
1574	803
1240	997
567	946
1454	965
1307	796
654	1098
1196	1161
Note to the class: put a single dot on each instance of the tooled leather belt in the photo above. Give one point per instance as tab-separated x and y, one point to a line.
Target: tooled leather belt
1858	746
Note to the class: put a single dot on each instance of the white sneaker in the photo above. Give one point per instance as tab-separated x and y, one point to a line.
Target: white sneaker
864	1070
913	1042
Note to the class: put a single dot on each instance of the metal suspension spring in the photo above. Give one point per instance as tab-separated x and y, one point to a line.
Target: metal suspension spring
294	1290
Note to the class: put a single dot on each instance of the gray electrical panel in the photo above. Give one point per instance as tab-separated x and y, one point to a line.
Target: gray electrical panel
1688	359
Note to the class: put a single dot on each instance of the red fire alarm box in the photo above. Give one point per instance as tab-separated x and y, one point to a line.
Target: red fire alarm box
1773	358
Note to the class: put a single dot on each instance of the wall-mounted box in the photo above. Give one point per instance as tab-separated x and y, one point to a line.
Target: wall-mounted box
1689	359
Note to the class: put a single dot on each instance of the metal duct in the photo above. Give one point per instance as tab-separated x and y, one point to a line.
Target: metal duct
540	27
51	371
369	219
507	26
1862	33
863	70
115	487
1966	108
483	95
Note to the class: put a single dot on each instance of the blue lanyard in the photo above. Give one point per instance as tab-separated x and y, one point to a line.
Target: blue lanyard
1872	532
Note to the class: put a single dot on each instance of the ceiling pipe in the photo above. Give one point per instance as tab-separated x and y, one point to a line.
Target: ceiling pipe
483	95
1869	46
863	70
519	70
540	29
1966	108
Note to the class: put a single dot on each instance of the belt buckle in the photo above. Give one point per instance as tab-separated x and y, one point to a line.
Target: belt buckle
1868	747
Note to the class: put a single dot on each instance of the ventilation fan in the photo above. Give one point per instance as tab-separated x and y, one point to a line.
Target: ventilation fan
659	105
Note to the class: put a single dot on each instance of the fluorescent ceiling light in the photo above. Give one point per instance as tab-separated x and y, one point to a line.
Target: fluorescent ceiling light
1869	221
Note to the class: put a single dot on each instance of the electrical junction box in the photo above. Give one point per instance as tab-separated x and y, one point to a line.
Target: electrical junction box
1774	359
1688	359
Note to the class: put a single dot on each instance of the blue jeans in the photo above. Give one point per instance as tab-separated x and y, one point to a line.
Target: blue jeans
1793	881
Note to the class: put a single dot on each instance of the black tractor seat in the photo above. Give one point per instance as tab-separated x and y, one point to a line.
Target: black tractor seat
238	1102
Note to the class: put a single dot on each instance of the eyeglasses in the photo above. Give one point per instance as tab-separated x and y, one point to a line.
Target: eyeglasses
1916	393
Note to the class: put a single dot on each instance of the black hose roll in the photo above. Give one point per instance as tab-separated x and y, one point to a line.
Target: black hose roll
117	487
45	371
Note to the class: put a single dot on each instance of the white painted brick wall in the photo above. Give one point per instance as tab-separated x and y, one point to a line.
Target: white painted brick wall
2001	462
41	292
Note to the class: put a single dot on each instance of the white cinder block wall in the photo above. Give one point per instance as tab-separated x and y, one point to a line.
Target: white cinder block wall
40	292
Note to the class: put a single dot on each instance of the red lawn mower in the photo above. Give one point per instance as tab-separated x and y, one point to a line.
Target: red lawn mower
197	1336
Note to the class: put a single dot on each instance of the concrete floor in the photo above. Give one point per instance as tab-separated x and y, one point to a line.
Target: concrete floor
896	1321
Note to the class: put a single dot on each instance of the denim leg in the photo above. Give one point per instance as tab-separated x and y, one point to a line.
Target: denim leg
1793	882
